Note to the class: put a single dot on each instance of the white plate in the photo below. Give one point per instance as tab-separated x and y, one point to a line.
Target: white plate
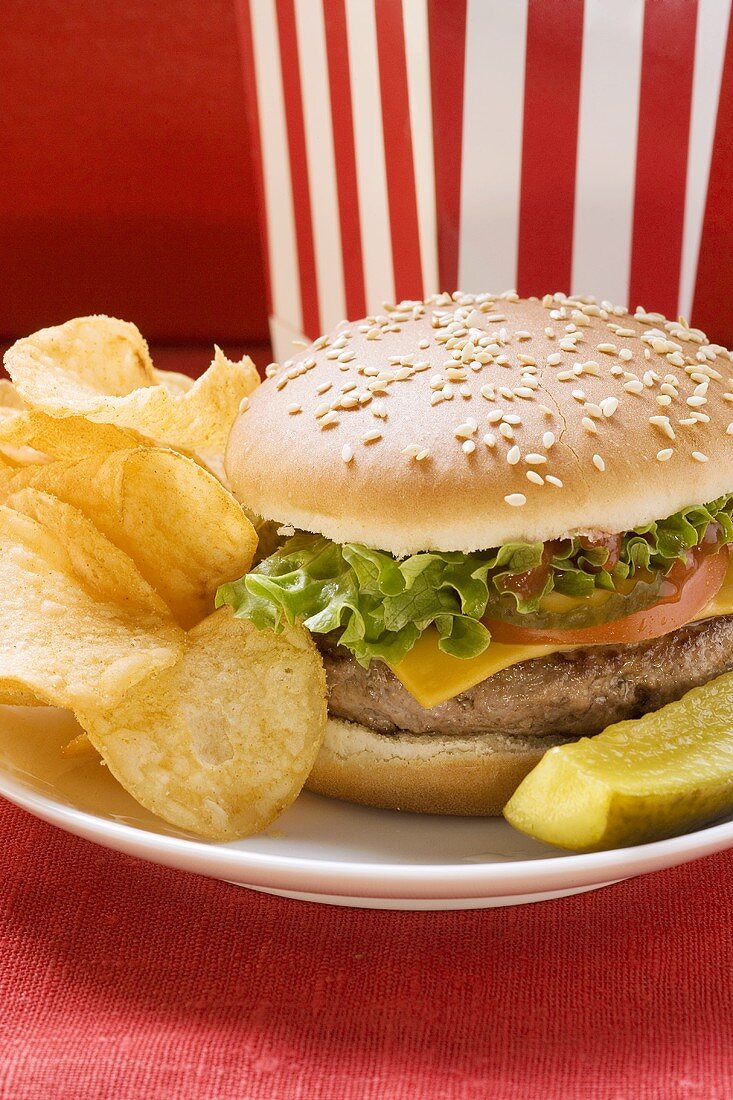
322	850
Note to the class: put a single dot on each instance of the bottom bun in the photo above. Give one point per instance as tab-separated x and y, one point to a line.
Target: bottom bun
471	776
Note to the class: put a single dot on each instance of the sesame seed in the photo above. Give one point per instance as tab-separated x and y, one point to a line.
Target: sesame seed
244	404
424	344
728	396
507	431
579	395
324	387
634	385
607	349
729	429
568	343
546	410
329	420
347	452
626	355
524	391
599	463
609	406
664	455
412	451
696	401
668	389
548	440
468	447
371	437
699	456
422	455
293	409
321	409
436	398
664	399
516	500
494	416
663	423
527	360
593	410
554	480
512	418
535	459
490	439
535	478
513	455
463	431
346	402
589	425
506	392
555	359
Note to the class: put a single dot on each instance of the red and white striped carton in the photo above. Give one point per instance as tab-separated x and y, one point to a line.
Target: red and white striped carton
408	146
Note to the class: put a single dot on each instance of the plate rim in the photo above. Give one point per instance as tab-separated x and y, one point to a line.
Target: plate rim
327	876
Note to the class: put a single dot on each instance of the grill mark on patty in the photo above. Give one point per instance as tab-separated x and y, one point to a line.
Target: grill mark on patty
573	694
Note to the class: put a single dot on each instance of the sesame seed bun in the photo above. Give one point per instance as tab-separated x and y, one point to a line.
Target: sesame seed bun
473	776
463	423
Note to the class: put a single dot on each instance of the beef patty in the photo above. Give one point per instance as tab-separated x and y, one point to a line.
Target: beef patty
575	693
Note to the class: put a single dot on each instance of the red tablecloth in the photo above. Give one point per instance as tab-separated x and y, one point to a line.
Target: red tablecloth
119	979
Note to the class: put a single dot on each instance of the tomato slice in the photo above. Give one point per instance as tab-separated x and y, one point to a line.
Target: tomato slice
691	588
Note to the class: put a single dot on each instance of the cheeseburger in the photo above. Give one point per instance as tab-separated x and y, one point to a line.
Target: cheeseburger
505	523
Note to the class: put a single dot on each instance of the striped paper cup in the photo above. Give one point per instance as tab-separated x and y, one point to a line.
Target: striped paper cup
409	146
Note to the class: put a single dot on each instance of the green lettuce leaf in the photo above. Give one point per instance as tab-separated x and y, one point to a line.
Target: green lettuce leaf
378	606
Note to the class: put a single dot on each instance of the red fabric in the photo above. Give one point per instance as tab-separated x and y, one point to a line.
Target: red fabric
126	177
121	979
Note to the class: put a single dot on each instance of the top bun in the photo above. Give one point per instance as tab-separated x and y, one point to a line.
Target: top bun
465	422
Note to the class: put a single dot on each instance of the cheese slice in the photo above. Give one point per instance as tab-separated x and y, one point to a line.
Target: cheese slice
432	676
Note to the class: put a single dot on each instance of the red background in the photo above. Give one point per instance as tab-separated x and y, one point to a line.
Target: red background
126	182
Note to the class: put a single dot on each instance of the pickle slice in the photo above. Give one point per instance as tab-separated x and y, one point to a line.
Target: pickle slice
640	780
